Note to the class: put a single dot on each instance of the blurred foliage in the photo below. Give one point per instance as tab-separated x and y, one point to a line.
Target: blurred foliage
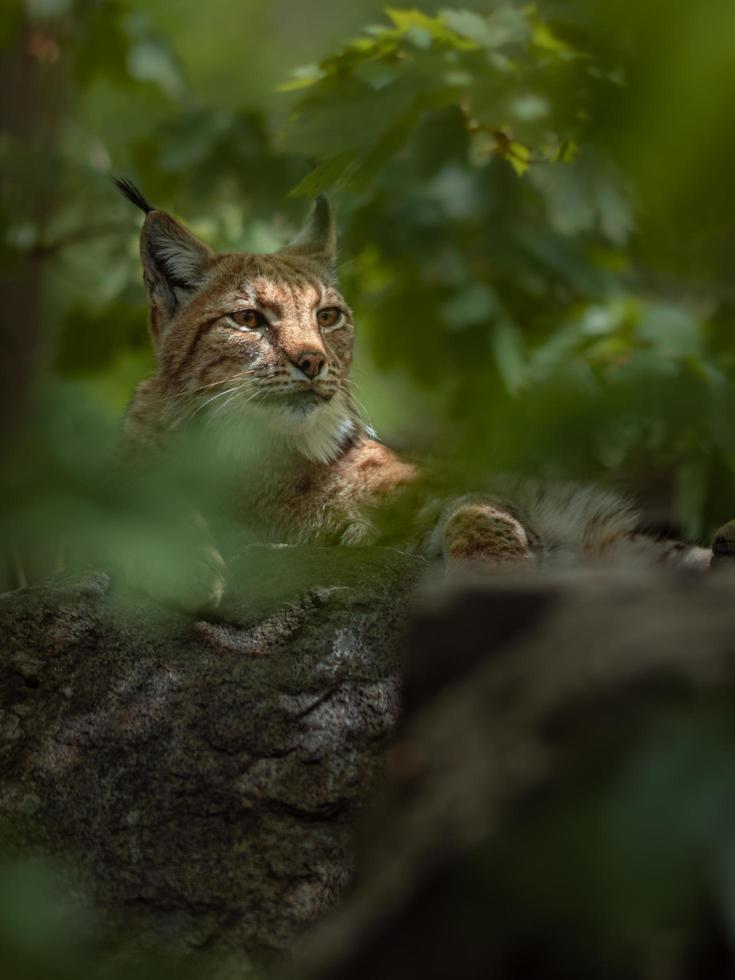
619	866
47	932
537	228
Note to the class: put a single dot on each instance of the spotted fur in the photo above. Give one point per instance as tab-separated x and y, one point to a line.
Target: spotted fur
550	523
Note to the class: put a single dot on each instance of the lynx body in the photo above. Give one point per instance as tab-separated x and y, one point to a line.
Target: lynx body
265	338
268	339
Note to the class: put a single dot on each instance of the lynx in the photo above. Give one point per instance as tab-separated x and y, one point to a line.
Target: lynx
269	338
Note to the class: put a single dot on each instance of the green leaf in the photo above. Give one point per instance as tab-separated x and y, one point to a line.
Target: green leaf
346	115
671	330
509	25
585	195
325	176
150	61
410	22
303	77
504	26
376	74
404	20
469	24
518	156
569	207
530	107
566	152
474	304
544	38
615	216
507	347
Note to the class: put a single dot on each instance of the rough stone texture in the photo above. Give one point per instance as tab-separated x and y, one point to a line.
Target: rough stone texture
508	684
204	774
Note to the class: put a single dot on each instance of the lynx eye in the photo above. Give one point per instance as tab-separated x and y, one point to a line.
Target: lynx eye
330	316
249	319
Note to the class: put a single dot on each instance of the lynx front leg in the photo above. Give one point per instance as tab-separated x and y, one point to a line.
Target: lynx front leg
483	534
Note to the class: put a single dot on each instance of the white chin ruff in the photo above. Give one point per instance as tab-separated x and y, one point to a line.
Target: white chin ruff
319	433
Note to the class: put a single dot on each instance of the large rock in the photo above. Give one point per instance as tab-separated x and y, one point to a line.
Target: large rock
560	799
204	774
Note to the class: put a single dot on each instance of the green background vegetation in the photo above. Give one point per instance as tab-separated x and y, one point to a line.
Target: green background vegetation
535	207
537	222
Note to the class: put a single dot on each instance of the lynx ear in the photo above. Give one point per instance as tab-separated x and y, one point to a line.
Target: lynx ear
174	261
318	237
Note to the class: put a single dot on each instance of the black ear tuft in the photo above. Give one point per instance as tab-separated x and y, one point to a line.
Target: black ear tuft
128	189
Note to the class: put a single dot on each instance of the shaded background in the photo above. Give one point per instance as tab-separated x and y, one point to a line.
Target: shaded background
536	207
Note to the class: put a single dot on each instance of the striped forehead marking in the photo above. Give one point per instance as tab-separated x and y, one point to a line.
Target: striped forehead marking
294	292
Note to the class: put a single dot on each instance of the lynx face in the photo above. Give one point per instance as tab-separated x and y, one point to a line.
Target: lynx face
238	336
265	335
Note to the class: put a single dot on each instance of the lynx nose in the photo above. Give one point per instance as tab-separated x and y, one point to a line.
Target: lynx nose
310	362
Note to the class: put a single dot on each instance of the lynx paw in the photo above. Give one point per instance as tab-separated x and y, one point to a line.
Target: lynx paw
484	536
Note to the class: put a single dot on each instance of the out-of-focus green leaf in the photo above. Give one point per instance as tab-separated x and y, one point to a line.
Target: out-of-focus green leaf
507	347
149	61
671	330
544	37
468	24
324	176
519	157
414	24
302	77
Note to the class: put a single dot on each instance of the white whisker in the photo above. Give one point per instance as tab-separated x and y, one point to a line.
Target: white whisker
214	398
224	381
349	389
221	409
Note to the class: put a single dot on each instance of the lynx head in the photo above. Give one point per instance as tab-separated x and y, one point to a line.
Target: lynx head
265	337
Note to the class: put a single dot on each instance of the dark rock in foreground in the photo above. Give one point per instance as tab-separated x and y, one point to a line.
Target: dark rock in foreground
204	774
560	798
